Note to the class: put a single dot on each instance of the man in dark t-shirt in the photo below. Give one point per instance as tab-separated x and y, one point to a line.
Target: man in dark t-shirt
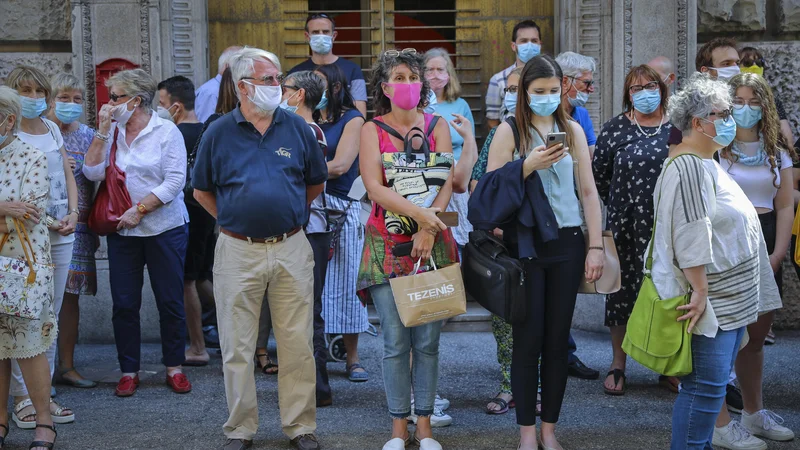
176	102
320	34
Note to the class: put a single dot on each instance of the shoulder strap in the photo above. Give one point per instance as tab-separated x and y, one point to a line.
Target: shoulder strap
513	124
387	129
648	264
112	159
432	125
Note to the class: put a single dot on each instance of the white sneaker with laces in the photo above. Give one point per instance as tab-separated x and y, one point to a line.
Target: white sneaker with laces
438	419
767	424
442	403
736	437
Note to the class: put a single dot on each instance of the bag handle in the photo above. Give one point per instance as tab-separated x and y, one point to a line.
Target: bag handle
30	258
416	266
112	158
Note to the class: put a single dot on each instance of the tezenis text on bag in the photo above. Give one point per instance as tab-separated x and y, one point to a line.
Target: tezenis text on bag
445	289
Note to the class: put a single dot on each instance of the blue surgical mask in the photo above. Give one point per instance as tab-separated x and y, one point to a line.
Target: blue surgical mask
3	138
545	104
747	116
323	102
321	43
725	129
32	107
285	104
527	51
432	102
510	102
646	101
580	99
68	112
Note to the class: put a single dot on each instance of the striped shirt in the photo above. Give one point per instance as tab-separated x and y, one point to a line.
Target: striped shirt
704	219
495	92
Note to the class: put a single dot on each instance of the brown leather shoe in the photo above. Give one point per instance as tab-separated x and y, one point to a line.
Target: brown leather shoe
237	444
306	442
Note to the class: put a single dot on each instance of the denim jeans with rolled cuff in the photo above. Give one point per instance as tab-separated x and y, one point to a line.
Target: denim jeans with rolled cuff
398	342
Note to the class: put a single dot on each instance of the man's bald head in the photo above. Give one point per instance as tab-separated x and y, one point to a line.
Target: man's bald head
663	66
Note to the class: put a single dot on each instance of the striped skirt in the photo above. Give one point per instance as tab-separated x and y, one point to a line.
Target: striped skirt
341	308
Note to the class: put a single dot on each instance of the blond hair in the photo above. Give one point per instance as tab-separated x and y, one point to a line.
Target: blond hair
452	91
22	74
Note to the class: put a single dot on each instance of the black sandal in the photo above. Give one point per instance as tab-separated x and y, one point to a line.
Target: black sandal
618	375
45	444
268	366
3	437
499	402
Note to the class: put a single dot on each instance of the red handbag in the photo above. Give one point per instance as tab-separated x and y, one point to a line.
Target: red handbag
112	198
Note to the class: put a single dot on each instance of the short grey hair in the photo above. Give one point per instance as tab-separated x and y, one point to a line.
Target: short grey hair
699	97
574	64
135	83
66	82
9	105
313	84
241	62
225	56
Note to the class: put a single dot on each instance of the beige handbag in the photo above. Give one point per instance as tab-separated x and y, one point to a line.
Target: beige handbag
429	296
25	283
611	280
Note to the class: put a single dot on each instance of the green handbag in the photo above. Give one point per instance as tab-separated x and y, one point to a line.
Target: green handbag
655	338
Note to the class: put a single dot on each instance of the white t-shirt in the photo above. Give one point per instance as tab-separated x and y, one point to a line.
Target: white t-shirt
757	181
58	204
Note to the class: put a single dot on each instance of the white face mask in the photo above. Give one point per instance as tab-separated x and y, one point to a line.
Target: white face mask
265	98
726	73
121	114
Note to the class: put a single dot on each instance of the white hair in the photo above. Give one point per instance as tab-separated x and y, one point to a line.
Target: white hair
135	83
225	57
66	82
9	105
574	64
241	62
699	97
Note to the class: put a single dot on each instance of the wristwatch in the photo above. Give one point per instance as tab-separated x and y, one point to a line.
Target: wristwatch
141	208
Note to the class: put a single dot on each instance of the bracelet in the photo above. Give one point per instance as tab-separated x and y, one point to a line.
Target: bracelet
102	137
597	248
76	211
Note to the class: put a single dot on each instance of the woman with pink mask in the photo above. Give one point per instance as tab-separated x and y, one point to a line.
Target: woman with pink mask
401	219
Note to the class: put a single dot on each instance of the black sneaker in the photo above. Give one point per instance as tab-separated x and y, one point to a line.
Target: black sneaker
211	336
578	369
734	399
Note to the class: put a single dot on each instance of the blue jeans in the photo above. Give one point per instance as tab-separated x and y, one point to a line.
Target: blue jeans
702	392
164	255
397	344
571	348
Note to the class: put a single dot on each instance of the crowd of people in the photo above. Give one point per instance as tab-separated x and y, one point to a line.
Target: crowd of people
240	191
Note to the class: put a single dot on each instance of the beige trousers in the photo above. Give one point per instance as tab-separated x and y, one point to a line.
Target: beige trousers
243	272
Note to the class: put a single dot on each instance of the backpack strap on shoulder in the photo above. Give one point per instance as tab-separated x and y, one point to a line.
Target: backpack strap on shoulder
513	124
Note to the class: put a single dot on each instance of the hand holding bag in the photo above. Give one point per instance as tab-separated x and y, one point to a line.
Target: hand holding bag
654	337
112	198
25	284
429	296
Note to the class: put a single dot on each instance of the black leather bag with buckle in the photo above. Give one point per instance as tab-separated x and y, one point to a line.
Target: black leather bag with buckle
494	278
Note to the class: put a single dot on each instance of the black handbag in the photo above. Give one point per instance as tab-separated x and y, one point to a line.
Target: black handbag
494	278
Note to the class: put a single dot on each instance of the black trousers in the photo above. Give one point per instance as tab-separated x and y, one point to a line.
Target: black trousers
320	244
552	284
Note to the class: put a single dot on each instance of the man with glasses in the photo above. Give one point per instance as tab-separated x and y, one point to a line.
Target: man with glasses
526	42
320	34
257	169
577	84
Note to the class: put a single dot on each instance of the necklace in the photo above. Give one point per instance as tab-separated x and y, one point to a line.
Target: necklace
646	134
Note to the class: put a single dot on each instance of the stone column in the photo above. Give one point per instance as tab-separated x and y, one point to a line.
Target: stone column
184	39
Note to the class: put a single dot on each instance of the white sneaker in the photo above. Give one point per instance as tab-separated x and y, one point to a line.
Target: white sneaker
736	437
442	403
438	419
428	444
395	444
767	424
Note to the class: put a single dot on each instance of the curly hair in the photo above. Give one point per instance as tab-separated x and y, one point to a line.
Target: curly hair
381	71
699	97
769	127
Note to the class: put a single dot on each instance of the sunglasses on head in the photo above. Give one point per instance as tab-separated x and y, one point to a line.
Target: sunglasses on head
315	16
396	53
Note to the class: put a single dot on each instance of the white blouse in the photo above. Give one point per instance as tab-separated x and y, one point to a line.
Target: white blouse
757	181
154	163
703	218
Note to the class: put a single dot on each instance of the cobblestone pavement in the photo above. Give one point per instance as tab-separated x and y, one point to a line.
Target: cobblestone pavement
155	418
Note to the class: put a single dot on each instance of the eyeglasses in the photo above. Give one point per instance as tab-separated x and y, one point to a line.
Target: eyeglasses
724	115
396	53
284	88
587	83
512	89
738	103
115	98
651	86
268	80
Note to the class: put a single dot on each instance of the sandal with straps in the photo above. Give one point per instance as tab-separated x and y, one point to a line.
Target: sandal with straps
45	444
3	437
269	368
20	421
499	402
618	375
58	418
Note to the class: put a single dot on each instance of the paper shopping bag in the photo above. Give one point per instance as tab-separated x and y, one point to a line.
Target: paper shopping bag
429	296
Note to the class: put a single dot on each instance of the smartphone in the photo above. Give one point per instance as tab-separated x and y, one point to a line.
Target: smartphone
448	218
403	249
555	139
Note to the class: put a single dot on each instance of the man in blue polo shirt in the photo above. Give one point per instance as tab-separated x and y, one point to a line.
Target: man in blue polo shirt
256	171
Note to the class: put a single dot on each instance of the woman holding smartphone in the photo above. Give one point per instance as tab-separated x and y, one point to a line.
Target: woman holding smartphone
553	277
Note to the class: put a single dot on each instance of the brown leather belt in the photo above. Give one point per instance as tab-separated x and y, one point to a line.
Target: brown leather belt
269	240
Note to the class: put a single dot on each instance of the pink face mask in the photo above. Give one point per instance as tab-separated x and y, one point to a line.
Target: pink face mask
406	95
438	82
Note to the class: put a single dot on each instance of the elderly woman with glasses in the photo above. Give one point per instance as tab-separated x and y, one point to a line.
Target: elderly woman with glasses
627	160
153	232
707	245
25	192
